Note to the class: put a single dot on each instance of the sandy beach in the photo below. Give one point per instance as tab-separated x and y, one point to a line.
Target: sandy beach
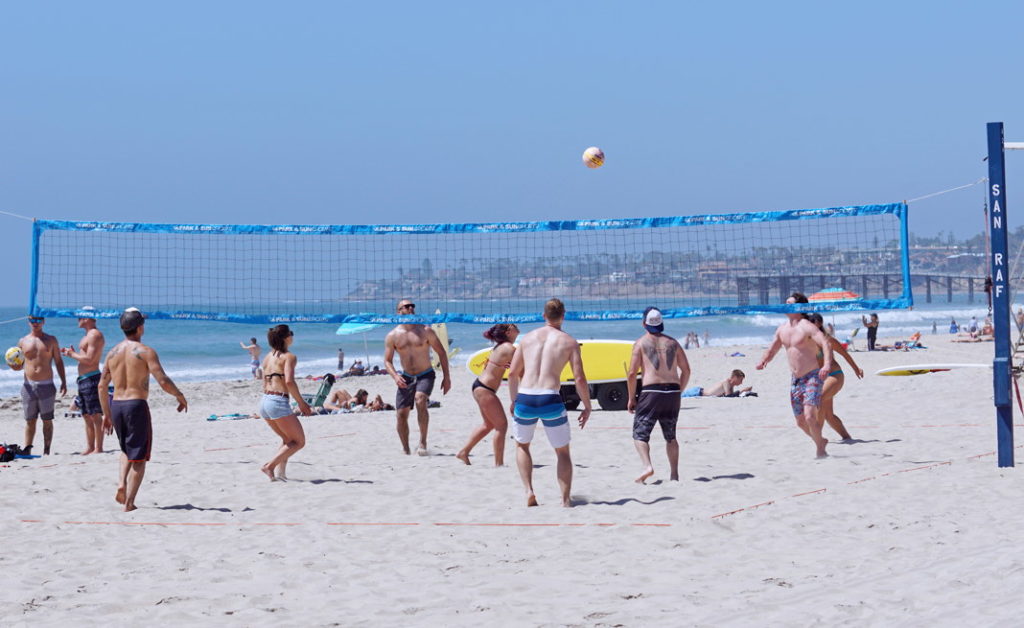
910	524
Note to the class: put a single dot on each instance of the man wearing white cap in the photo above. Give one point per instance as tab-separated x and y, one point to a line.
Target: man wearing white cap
90	349
666	372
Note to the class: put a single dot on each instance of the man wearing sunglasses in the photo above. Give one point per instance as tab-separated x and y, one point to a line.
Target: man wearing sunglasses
413	342
42	352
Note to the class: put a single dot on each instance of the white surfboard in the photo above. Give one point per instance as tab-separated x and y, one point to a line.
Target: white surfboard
922	369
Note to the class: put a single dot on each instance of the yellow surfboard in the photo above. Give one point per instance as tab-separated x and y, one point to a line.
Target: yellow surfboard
441	329
603	361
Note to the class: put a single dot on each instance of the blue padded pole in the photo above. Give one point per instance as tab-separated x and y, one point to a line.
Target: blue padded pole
1002	377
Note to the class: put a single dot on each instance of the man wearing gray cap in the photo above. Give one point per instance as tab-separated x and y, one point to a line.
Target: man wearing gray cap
90	349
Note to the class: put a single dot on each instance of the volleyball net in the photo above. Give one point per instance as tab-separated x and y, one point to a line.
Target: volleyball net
845	258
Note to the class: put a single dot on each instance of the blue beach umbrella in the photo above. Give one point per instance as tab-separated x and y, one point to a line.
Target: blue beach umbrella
347	329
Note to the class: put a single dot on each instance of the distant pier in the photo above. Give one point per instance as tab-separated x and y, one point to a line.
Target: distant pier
766	289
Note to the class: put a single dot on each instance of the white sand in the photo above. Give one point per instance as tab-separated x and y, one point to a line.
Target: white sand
912	525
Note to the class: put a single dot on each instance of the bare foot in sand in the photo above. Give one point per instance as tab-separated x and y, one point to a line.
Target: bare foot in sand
463	456
130	507
648	472
268	471
119	495
531	500
405	450
821	450
422	451
281	478
567	503
87	452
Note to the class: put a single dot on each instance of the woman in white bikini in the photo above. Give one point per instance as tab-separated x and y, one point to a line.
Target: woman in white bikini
485	391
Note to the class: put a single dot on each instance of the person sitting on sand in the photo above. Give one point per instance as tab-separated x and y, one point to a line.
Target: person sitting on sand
728	387
378	404
341	399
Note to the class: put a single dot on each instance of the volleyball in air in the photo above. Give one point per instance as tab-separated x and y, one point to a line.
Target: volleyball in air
593	157
14	357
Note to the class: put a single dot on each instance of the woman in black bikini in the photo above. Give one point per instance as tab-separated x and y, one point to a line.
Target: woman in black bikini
485	391
278	385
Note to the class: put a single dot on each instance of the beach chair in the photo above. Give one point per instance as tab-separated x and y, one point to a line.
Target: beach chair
320	397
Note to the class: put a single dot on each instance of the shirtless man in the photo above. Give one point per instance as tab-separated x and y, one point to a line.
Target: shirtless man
803	340
729	386
254	354
665	374
413	343
534	380
90	349
129	365
38	392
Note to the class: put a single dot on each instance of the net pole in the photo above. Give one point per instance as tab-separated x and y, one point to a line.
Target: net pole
1001	365
33	288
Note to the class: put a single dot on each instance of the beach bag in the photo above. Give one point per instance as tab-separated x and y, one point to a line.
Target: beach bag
8	452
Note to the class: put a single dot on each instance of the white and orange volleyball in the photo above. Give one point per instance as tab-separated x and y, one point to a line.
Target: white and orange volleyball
593	157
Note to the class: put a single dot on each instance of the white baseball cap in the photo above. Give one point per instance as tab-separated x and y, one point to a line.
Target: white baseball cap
653	321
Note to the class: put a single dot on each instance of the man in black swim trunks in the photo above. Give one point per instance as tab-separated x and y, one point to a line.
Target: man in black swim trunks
665	374
129	365
413	343
90	349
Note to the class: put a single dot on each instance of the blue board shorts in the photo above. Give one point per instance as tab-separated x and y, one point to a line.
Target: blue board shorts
89	394
546	406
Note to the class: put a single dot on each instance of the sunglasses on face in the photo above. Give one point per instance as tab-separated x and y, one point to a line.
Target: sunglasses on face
408	306
37	321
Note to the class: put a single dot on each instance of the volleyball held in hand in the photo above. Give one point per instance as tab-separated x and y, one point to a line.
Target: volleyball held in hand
593	157
14	357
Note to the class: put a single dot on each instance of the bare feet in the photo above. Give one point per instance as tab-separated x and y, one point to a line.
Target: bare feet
130	507
88	451
821	449
119	496
463	456
281	478
268	471
405	449
648	472
674	477
531	500
567	503
422	451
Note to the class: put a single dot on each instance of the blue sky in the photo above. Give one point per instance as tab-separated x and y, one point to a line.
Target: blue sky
336	112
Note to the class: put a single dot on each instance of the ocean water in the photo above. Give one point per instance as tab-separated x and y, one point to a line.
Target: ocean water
201	350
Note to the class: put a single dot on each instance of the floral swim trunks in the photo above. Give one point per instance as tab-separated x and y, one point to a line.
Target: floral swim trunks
805	391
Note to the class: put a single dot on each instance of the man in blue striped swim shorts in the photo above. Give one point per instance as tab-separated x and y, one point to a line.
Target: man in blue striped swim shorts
533	382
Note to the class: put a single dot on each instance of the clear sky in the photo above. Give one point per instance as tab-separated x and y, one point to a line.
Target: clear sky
396	112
